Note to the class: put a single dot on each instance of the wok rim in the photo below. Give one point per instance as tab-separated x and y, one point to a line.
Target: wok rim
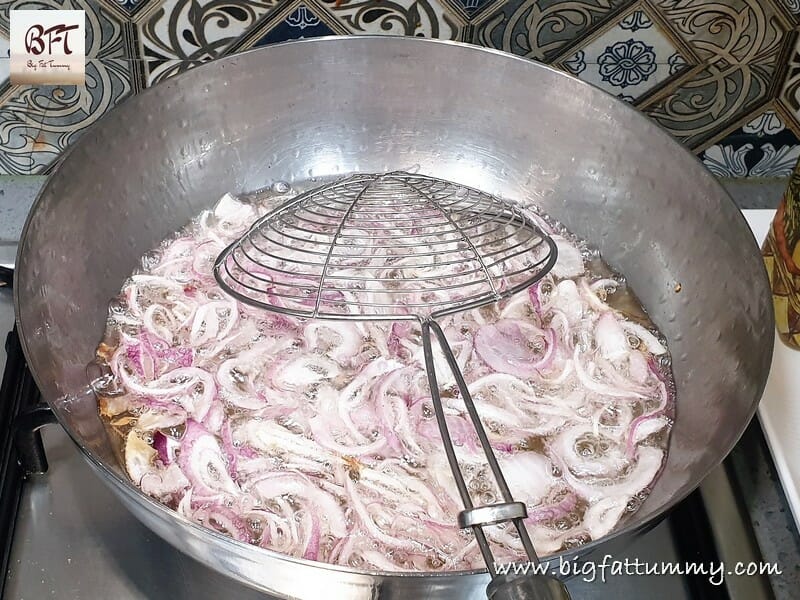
125	485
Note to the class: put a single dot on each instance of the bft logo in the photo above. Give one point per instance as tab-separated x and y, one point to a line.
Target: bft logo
48	47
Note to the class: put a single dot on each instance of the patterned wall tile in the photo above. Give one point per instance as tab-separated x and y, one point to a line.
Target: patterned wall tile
790	94
127	7
470	9
763	147
792	6
630	58
740	44
38	122
540	29
700	68
301	22
178	33
736	31
19	126
420	18
297	20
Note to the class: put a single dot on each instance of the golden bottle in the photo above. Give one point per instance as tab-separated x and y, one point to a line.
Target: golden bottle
781	252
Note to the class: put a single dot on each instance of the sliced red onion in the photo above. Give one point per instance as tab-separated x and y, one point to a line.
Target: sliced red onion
544	513
501	390
615	376
341	340
649	340
521	306
607	285
529	475
224	519
231	451
602	516
323	436
511	347
237	378
152	326
641	475
637	367
399	332
358	402
460	428
646	428
585	455
591	298
131	295
180	356
534	294
304	491
203	463
569	263
610	337
304	371
391	541
272	439
568	301
206	322
165	484
316	438
134	356
160	446
395	481
139	456
642	419
597	386
161	416
312	546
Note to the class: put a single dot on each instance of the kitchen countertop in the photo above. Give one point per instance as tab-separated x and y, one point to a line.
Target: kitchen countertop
754	473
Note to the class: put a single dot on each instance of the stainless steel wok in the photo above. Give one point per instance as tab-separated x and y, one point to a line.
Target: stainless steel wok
326	107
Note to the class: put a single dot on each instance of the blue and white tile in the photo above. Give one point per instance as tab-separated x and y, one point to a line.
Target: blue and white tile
183	33
298	22
767	123
764	147
629	59
128	7
470	9
419	18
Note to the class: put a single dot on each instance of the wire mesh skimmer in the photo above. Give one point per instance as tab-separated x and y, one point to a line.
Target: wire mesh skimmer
400	246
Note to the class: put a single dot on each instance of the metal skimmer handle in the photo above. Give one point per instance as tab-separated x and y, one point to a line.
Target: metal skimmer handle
503	587
300	258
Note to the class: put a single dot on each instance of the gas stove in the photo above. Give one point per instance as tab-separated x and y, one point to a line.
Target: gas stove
68	537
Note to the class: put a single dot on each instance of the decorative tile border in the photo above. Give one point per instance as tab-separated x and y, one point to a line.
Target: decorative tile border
717	74
417	18
740	45
762	147
127	8
469	10
540	29
293	19
174	34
